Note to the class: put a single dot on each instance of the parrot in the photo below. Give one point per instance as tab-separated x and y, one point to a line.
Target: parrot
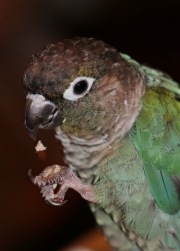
119	125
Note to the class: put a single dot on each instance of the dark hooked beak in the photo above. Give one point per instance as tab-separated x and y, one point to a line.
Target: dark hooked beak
39	113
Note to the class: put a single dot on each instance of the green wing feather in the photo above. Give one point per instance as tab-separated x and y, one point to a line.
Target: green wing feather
156	135
150	152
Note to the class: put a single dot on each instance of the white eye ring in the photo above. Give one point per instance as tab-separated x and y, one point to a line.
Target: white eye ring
71	94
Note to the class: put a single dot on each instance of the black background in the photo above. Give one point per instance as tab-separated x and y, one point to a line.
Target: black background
148	30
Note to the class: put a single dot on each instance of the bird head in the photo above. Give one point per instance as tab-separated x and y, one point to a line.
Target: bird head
83	85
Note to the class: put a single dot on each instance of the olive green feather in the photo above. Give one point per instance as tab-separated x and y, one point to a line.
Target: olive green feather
156	136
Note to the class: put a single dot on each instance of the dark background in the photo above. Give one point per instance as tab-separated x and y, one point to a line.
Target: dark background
148	30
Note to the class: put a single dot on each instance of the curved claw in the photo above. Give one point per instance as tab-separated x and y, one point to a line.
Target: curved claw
55	202
30	176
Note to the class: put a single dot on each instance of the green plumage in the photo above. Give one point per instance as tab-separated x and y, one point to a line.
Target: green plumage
158	143
119	124
152	145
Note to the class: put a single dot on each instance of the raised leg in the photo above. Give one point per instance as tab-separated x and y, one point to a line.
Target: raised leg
55	175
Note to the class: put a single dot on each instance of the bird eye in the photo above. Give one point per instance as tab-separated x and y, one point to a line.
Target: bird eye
78	88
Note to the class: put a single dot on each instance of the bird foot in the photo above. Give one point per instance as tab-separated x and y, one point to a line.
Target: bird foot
55	175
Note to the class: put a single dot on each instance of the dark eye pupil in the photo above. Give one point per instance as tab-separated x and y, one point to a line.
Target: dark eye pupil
80	87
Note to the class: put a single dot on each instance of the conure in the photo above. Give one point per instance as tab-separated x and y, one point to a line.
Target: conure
119	124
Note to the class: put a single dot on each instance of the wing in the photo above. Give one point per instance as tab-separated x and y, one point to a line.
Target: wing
156	135
154	77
